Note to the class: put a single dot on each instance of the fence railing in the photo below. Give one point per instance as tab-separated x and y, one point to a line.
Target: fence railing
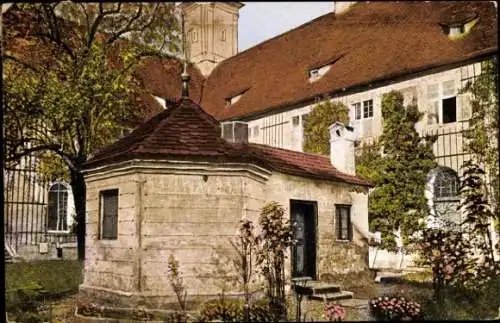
25	206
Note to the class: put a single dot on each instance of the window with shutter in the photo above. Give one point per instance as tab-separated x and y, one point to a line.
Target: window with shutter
343	222
109	214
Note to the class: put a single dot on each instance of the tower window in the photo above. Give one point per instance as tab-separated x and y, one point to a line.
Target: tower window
194	36
223	35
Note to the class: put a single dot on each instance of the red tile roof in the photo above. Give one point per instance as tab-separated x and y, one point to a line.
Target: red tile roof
375	41
185	131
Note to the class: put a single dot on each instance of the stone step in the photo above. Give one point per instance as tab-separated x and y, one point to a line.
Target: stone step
317	287
332	296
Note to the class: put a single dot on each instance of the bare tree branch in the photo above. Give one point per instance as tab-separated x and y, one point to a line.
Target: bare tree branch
127	28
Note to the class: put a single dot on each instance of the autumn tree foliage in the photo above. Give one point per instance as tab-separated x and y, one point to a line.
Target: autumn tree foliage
68	80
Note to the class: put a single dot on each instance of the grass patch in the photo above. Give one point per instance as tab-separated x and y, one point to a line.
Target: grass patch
52	277
459	304
40	280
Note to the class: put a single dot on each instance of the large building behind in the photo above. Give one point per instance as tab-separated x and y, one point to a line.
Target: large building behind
354	54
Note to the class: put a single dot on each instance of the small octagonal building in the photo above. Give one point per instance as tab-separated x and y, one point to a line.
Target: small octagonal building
178	185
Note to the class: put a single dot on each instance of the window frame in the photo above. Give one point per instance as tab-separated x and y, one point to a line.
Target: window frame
256	131
102	194
363	110
442	173
358	111
194	36
439	99
338	223
67	191
369	106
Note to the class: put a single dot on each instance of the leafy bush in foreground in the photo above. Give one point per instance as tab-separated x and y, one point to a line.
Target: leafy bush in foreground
232	310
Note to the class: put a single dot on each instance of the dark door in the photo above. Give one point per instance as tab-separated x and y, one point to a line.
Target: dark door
304	252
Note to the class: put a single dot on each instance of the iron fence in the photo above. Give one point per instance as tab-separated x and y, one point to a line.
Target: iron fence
26	206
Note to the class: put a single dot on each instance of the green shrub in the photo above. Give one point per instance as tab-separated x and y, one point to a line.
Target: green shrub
138	314
232	310
54	277
25	307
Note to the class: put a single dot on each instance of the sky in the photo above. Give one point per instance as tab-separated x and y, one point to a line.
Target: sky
260	21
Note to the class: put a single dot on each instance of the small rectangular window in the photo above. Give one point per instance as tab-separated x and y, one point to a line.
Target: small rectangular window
295	121
450	110
357	110
109	214
256	131
368	109
343	222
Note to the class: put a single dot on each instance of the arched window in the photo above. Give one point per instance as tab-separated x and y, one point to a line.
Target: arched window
58	207
445	183
443	198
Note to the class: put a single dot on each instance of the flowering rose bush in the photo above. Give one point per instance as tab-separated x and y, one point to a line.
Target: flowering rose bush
333	312
394	308
449	255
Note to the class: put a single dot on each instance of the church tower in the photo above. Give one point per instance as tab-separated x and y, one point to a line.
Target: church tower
212	32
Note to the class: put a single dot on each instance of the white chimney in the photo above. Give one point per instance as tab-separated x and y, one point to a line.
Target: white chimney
342	138
340	7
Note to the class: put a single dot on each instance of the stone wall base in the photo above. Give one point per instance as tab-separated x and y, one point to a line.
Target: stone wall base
48	251
115	298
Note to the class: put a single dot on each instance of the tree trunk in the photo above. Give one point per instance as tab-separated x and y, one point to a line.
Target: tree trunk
79	194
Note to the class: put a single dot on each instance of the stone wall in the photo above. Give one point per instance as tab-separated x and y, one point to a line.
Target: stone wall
283	188
192	215
112	264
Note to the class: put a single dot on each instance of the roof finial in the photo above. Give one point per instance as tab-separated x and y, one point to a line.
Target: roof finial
184	75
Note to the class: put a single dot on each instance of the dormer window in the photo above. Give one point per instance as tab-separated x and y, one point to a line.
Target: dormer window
194	36
459	29
234	98
317	73
319	69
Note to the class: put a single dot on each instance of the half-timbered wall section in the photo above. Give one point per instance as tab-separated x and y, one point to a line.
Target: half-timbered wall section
437	95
